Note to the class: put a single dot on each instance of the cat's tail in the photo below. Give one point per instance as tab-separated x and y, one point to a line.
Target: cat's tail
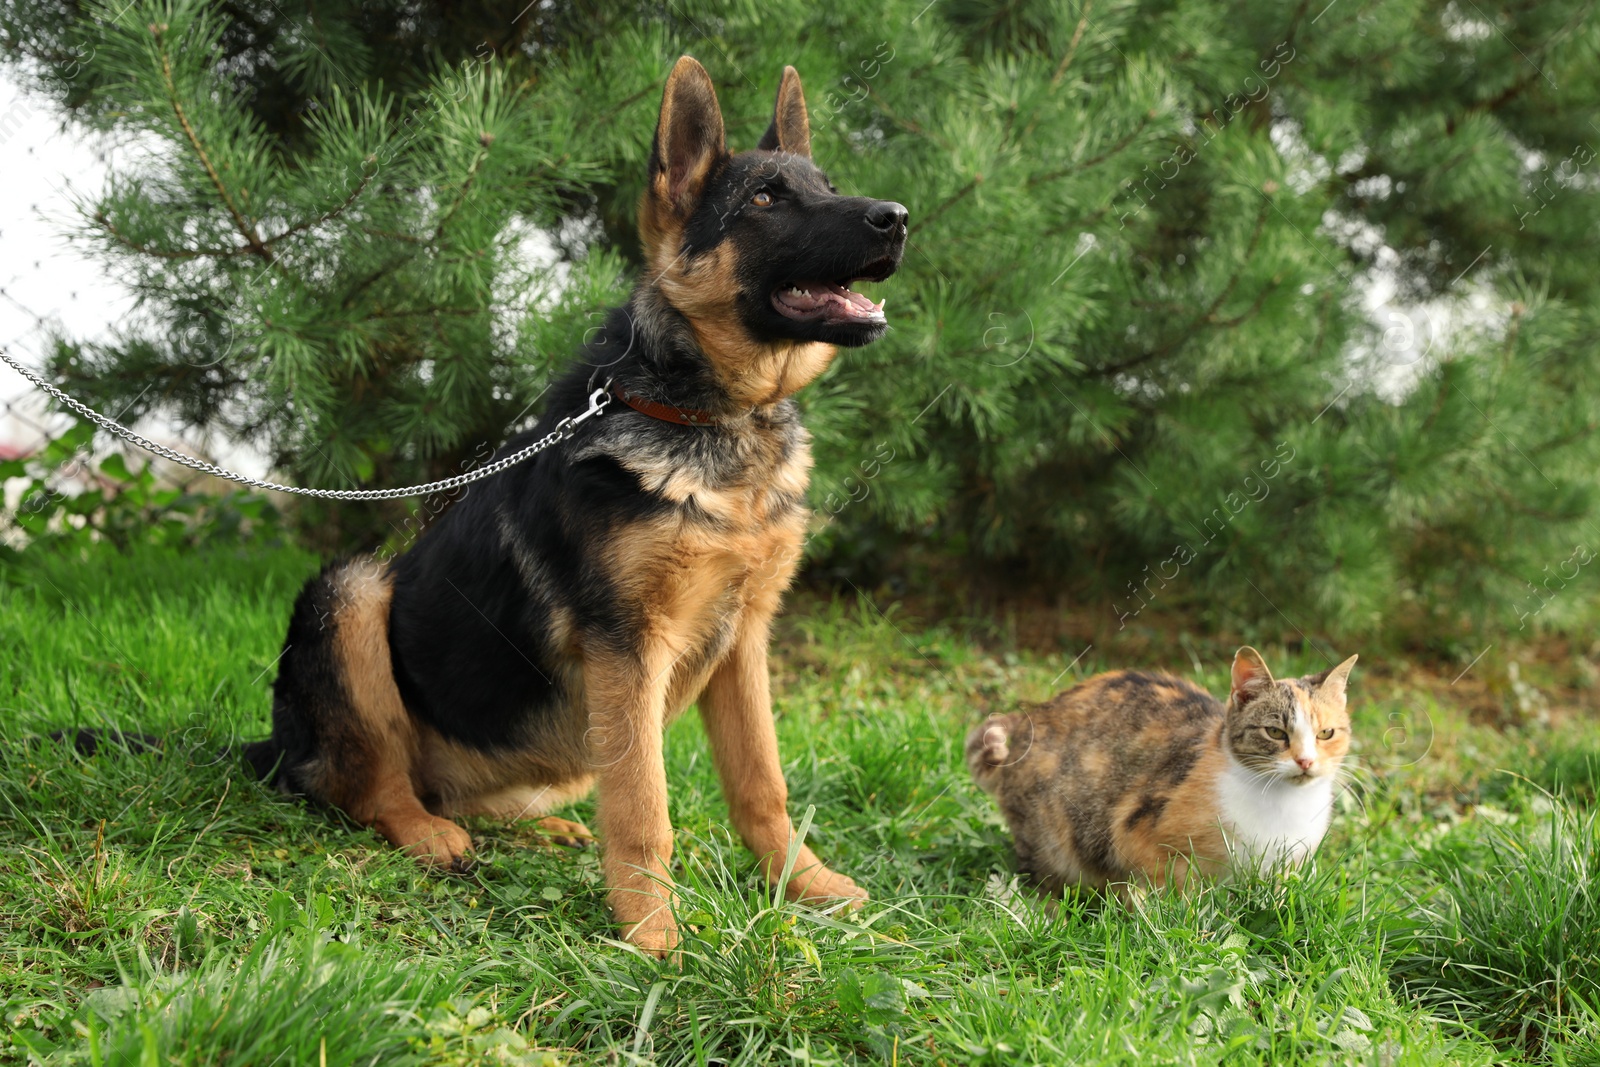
989	750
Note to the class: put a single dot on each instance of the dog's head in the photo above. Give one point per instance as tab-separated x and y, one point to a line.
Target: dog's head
758	250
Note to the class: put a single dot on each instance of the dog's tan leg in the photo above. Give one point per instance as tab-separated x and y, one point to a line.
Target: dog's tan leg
625	701
371	755
737	710
392	809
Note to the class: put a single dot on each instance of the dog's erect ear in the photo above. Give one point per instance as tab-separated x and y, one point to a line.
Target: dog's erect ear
791	128
689	137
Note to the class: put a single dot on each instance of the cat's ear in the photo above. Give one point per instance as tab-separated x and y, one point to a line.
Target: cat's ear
1332	682
1250	676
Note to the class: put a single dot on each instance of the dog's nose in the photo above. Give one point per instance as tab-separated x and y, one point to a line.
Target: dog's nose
886	215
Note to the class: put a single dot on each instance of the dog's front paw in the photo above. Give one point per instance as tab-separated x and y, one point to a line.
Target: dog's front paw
656	934
434	842
820	885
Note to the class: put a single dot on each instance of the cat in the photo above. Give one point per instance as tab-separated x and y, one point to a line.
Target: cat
1134	780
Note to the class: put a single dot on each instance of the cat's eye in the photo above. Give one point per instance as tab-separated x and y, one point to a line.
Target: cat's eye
762	199
1325	734
1276	734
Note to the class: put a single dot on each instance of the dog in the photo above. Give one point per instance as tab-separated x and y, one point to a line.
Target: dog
539	636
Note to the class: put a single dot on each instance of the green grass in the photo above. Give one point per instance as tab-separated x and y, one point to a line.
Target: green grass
1509	924
169	910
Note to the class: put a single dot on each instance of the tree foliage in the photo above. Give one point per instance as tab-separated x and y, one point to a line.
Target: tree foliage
1134	352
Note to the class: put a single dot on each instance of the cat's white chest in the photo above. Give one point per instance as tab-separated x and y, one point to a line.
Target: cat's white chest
1271	822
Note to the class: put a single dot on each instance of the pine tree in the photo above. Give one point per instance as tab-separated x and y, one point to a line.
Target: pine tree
354	292
1129	354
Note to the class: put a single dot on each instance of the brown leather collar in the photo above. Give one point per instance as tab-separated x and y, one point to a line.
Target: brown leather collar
665	412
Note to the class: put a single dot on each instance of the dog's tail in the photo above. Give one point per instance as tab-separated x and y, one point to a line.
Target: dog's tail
989	750
261	756
92	740
263	759
309	678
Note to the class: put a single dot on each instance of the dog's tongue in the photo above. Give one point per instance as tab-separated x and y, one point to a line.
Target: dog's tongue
833	300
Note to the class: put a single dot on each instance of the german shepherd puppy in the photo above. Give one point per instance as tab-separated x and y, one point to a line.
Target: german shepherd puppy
541	634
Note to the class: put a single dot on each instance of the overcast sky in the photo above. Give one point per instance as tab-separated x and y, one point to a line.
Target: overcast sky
42	276
46	278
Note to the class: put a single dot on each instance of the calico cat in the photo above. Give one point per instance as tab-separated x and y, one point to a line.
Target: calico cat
1136	779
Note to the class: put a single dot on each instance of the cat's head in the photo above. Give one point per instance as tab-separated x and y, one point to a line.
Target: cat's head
1297	729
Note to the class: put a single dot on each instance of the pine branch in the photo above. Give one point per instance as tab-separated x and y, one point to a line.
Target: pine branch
909	125
1076	168
159	253
1322	326
1586	430
1081	223
649	90
1250	250
1072	47
245	228
227	253
1517	88
393	236
1294	21
405	313
362	285
1249	313
1206	317
965	190
466	188
330	214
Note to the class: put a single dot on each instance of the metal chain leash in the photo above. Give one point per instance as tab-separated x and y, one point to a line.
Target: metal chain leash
564	429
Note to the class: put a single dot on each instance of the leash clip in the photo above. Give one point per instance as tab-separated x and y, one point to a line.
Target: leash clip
597	403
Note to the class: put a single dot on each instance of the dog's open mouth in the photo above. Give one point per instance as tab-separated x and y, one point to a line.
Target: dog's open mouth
834	301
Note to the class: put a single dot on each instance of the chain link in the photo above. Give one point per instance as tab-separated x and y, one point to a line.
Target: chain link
564	429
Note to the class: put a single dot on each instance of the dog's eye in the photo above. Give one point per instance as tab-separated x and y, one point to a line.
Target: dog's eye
762	199
1276	734
1325	734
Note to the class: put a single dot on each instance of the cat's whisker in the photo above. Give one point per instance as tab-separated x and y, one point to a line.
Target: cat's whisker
1351	771
1265	778
1350	775
1344	778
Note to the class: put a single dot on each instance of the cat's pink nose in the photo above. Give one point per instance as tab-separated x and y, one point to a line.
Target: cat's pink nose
1305	764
